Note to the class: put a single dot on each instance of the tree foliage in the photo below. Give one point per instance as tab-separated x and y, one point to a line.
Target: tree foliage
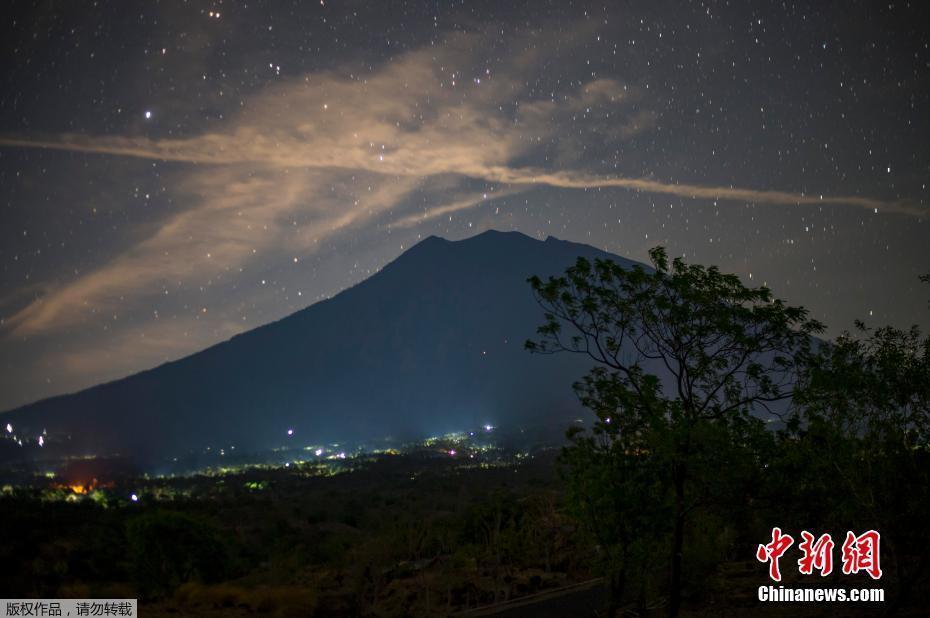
863	422
684	356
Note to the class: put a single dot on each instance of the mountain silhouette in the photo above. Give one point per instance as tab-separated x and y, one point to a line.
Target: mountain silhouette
431	343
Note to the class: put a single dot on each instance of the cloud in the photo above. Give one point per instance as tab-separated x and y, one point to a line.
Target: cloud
468	202
337	152
574	180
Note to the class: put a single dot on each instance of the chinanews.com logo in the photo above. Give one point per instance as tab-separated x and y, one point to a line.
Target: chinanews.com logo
859	554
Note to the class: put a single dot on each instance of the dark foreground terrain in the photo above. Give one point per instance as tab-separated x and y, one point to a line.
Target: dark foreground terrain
388	535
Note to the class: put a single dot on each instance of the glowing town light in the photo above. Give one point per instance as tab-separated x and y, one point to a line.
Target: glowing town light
452	452
134	498
148	115
9	428
41	441
318	452
488	427
341	455
290	432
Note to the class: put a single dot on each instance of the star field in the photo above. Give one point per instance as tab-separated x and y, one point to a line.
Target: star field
174	173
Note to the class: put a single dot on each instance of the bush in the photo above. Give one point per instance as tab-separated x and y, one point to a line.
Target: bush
169	549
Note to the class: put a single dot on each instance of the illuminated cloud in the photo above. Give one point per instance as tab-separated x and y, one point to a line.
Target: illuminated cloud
341	152
440	210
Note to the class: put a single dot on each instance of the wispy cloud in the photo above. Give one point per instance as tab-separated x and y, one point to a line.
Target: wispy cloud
286	154
467	202
340	152
575	180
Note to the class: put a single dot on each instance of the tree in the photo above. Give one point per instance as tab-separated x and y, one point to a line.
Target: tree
616	494
684	355
864	424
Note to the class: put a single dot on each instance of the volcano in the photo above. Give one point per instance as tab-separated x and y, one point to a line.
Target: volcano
433	342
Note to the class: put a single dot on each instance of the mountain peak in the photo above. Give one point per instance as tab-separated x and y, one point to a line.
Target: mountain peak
431	343
490	235
498	234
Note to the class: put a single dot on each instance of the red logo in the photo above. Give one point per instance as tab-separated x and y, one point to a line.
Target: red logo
817	555
773	551
860	553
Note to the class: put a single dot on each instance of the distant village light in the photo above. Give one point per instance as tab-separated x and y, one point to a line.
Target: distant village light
9	428
134	498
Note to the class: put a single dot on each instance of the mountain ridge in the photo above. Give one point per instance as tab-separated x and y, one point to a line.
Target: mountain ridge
431	342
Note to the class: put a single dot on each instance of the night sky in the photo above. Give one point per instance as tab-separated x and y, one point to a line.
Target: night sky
174	173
